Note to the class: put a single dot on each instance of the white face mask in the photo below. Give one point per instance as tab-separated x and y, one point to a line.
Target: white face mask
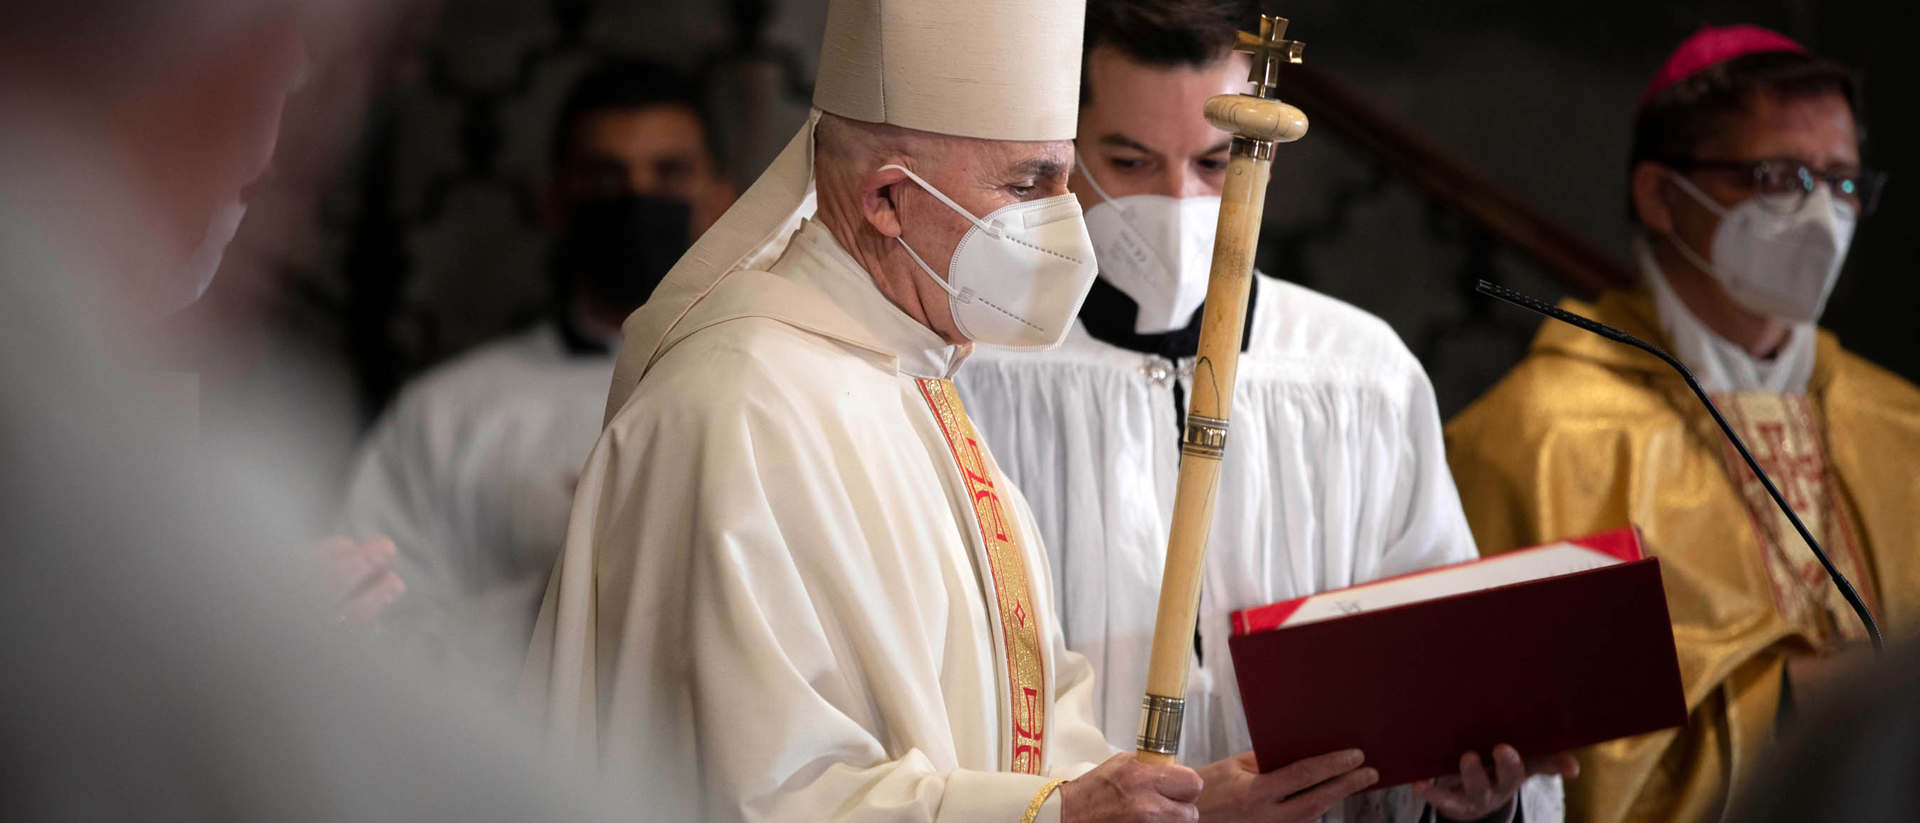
1156	249
205	261
1782	265
1019	275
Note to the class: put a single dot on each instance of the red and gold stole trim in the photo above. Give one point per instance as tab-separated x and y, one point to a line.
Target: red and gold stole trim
1019	626
1787	441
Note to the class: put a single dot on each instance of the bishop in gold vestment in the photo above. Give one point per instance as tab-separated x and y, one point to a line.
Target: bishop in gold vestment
1586	435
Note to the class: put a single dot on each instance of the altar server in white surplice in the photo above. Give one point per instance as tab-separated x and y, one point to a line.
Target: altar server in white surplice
1335	474
471	471
796	585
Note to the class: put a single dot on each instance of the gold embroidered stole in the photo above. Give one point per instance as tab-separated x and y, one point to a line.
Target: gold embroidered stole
1006	559
1784	436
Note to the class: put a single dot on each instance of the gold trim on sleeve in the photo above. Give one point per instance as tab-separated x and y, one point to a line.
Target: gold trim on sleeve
1033	809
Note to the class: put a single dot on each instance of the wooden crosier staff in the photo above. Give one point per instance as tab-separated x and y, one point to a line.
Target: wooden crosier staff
1258	122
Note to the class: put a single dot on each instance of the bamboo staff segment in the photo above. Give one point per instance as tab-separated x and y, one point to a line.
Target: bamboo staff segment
1257	123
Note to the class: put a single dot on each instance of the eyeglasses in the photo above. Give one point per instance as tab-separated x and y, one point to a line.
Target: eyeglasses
1784	184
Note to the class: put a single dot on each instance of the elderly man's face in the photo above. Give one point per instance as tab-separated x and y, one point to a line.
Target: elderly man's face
878	212
982	176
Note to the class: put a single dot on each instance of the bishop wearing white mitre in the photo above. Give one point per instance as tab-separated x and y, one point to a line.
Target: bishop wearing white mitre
796	586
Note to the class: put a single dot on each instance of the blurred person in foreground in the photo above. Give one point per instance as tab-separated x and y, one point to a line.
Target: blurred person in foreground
1850	757
1746	184
795	582
1335	475
168	657
472	470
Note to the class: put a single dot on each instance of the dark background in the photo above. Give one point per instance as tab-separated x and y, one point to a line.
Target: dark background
432	242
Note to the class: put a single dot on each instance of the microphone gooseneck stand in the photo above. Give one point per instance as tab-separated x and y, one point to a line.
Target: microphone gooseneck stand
1839	580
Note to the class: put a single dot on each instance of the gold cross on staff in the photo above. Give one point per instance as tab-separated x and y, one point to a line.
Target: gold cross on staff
1269	48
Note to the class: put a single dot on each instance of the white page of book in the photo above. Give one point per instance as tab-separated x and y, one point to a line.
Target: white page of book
1536	563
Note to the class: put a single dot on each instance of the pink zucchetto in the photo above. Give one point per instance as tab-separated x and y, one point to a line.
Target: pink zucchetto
1712	45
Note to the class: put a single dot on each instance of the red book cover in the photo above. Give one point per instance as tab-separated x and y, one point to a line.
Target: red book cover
1546	649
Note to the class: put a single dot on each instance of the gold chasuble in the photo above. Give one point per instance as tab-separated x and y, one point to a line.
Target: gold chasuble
1586	435
1006	561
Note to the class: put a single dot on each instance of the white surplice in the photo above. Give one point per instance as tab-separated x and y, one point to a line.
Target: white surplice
471	472
774	602
1335	474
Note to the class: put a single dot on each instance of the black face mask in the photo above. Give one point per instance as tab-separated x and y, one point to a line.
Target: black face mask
621	247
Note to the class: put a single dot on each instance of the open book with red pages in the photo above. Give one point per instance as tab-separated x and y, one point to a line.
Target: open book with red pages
1546	649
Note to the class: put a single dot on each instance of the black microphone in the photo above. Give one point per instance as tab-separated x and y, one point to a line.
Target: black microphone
1839	580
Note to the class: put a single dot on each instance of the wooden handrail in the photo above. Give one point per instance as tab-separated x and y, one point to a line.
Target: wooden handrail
1403	149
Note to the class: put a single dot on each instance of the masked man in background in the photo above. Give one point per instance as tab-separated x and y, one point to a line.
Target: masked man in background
1746	184
471	472
1334	476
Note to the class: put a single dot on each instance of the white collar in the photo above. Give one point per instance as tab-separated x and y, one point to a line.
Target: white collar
1722	366
816	259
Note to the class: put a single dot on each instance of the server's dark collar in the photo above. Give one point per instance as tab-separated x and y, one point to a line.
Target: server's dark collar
1109	315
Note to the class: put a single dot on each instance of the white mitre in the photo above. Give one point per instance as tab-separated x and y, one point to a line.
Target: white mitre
992	69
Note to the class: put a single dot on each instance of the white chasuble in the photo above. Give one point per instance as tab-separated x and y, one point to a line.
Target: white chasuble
796	586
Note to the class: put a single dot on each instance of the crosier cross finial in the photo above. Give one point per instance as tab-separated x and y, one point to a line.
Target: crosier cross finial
1270	49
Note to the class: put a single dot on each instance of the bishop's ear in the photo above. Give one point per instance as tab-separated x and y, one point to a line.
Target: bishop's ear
880	200
1653	188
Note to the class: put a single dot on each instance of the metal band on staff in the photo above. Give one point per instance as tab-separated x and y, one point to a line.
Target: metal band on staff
1256	149
1204	437
1160	718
